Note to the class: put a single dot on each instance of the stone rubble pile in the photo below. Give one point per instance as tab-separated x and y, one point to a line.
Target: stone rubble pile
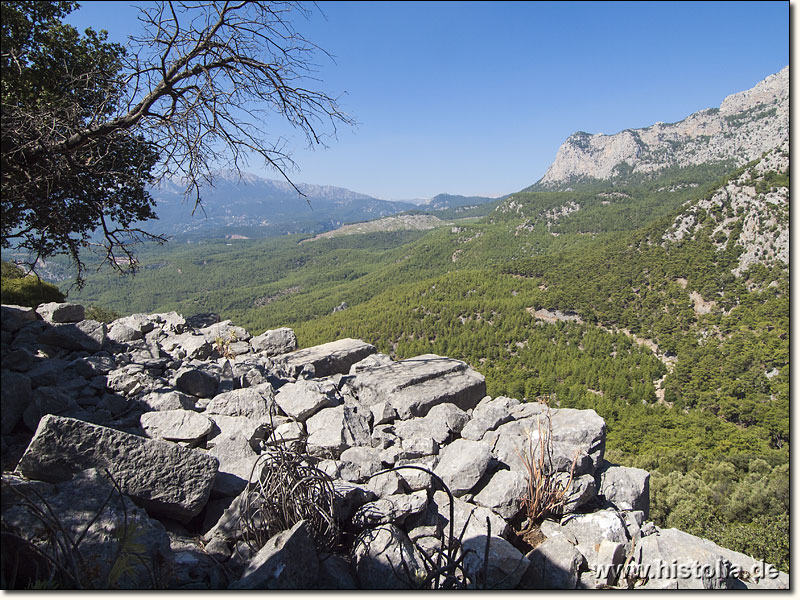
174	413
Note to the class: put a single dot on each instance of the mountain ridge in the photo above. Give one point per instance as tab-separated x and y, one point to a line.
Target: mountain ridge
747	124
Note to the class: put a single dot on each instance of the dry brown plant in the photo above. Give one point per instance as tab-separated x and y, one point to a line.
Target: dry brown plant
547	493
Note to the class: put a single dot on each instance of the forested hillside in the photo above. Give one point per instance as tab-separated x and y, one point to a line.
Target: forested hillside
585	298
655	292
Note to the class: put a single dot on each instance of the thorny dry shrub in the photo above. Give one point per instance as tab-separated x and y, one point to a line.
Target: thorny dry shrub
285	491
547	493
443	561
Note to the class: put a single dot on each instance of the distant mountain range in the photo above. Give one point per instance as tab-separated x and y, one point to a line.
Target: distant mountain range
251	206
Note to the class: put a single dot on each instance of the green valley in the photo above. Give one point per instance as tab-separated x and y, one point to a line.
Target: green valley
687	363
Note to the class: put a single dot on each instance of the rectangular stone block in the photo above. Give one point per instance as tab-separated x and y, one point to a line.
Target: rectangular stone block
415	385
327	359
162	477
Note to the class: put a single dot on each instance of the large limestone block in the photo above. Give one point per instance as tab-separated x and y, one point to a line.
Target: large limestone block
415	385
574	433
196	382
488	415
501	568
85	335
626	488
176	425
333	430
61	312
592	529
554	565
302	399
467	517
327	359
253	402
288	561
13	317
385	558
275	341
15	396
160	476
504	493
75	502
462	464
690	562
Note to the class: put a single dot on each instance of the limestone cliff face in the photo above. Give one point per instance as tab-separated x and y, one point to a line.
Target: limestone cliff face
756	203
746	125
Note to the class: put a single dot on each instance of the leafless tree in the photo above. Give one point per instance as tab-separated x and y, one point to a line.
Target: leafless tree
196	92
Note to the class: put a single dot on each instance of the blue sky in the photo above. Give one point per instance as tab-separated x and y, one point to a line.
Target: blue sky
475	98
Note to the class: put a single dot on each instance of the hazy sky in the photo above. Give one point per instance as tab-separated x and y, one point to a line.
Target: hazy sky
475	98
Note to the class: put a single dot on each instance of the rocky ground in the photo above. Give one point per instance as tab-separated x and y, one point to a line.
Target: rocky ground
184	453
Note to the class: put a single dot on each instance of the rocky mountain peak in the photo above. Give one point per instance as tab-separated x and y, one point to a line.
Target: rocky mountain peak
746	125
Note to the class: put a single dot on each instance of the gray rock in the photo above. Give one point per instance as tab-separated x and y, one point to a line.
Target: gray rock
236	460
47	400
138	322
275	341
327	359
611	555
387	484
335	573
582	490
179	488
19	359
501	568
462	464
370	362
449	416
168	400
225	330
416	385
121	333
171	321
349	497
489	415
503	493
61	312
386	559
75	502
395	508
288	561
189	345
411	475
197	382
418	447
176	425
96	364
382	412
591	529
15	396
250	429
194	568
467	517
254	403
626	488
554	565
85	335
714	565
288	432
358	463
578	433
13	317
305	398
336	429
129	380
